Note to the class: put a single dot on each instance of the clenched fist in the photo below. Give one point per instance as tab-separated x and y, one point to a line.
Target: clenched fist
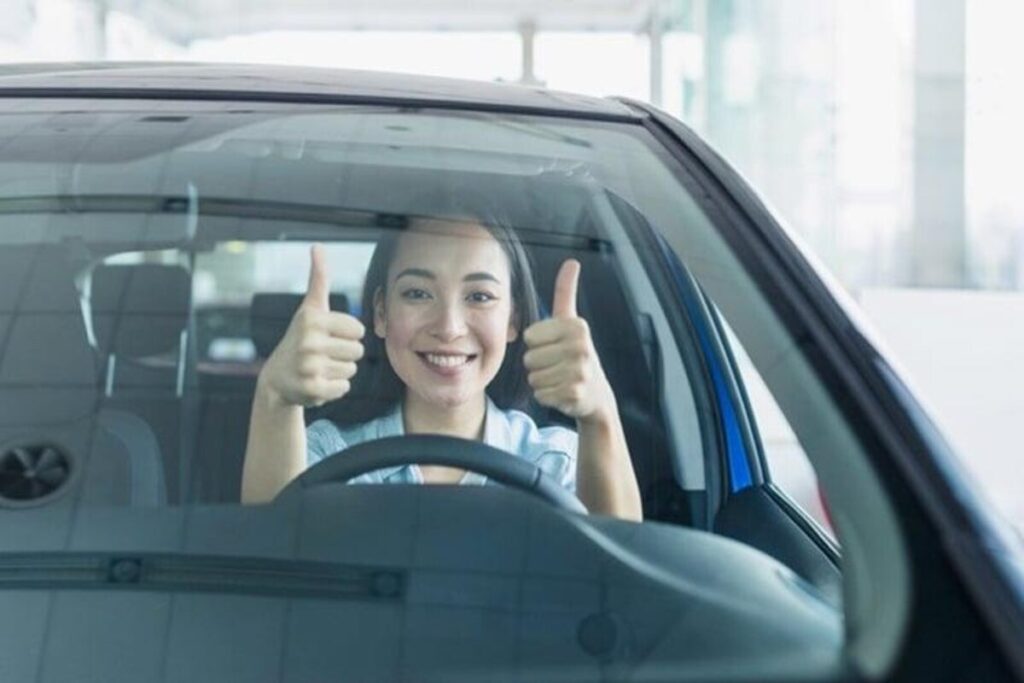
316	359
562	364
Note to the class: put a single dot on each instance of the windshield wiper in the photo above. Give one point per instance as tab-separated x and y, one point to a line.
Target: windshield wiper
198	573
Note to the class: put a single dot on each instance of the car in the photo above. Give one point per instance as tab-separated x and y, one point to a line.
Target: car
157	221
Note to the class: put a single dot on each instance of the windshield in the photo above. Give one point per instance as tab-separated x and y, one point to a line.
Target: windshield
214	315
157	255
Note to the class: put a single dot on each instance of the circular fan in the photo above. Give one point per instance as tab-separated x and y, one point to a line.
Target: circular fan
31	472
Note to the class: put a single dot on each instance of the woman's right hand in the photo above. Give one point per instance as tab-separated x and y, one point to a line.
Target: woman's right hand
316	359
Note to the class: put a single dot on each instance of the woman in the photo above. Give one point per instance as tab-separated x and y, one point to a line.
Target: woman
452	303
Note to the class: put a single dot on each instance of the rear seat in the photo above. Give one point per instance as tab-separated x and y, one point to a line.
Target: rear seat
140	318
271	314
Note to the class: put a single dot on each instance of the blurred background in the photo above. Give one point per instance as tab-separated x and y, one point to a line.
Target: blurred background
887	134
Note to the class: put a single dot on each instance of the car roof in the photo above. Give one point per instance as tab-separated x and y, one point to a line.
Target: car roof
292	83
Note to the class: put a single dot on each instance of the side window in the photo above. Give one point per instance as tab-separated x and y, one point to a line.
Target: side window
787	463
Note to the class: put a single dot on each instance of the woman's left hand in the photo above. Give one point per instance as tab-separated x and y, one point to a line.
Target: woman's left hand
561	363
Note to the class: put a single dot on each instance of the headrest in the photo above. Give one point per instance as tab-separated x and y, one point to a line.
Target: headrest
271	313
140	310
48	371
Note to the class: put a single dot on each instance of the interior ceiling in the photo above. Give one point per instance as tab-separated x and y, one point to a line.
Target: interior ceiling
187	20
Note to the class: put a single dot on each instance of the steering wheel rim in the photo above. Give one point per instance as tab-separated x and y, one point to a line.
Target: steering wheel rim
434	449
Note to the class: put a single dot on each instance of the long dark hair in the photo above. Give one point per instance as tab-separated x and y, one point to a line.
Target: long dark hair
376	388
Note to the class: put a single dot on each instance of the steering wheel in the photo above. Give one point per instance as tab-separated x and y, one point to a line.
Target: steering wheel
434	449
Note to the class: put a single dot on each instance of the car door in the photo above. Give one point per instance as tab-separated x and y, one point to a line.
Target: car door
758	507
744	501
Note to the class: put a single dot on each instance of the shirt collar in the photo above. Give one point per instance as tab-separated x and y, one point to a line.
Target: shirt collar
497	433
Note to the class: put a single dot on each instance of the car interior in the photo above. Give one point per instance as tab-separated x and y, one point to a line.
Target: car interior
156	375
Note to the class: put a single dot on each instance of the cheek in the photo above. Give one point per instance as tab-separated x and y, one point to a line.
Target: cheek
399	337
493	330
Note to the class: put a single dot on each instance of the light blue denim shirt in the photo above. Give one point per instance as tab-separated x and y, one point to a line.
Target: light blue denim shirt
552	449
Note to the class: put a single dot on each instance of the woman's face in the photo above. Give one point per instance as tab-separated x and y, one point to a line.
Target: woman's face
446	318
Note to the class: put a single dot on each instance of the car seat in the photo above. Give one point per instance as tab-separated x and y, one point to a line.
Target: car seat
140	324
57	444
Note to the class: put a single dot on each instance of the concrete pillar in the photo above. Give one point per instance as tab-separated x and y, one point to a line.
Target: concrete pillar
527	32
939	213
698	115
770	101
655	31
93	30
717	28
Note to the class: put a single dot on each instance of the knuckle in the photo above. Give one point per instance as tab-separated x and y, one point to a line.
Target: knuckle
308	389
319	388
308	367
350	327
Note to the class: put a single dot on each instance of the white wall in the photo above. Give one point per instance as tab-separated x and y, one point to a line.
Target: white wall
963	352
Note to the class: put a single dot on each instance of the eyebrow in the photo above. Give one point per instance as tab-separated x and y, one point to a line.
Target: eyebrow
424	273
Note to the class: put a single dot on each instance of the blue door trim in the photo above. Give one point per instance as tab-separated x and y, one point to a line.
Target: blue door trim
740	476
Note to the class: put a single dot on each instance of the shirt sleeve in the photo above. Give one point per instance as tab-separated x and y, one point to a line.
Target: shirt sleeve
558	453
323	439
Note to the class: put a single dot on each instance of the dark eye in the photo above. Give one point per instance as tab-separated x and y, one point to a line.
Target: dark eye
481	297
415	294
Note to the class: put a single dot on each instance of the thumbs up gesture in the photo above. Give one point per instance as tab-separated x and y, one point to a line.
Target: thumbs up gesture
561	363
316	359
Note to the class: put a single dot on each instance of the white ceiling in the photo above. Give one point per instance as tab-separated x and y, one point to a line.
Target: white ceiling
186	20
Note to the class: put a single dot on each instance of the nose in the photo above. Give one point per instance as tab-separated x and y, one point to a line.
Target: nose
450	322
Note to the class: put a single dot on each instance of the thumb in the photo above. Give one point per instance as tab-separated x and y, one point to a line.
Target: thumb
318	293
566	284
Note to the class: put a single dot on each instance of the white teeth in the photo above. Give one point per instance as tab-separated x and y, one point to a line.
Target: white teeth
446	361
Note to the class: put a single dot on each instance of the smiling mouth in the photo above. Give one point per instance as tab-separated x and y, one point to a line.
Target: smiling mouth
447	360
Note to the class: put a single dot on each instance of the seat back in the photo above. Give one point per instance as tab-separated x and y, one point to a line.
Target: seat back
56	444
140	320
272	312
